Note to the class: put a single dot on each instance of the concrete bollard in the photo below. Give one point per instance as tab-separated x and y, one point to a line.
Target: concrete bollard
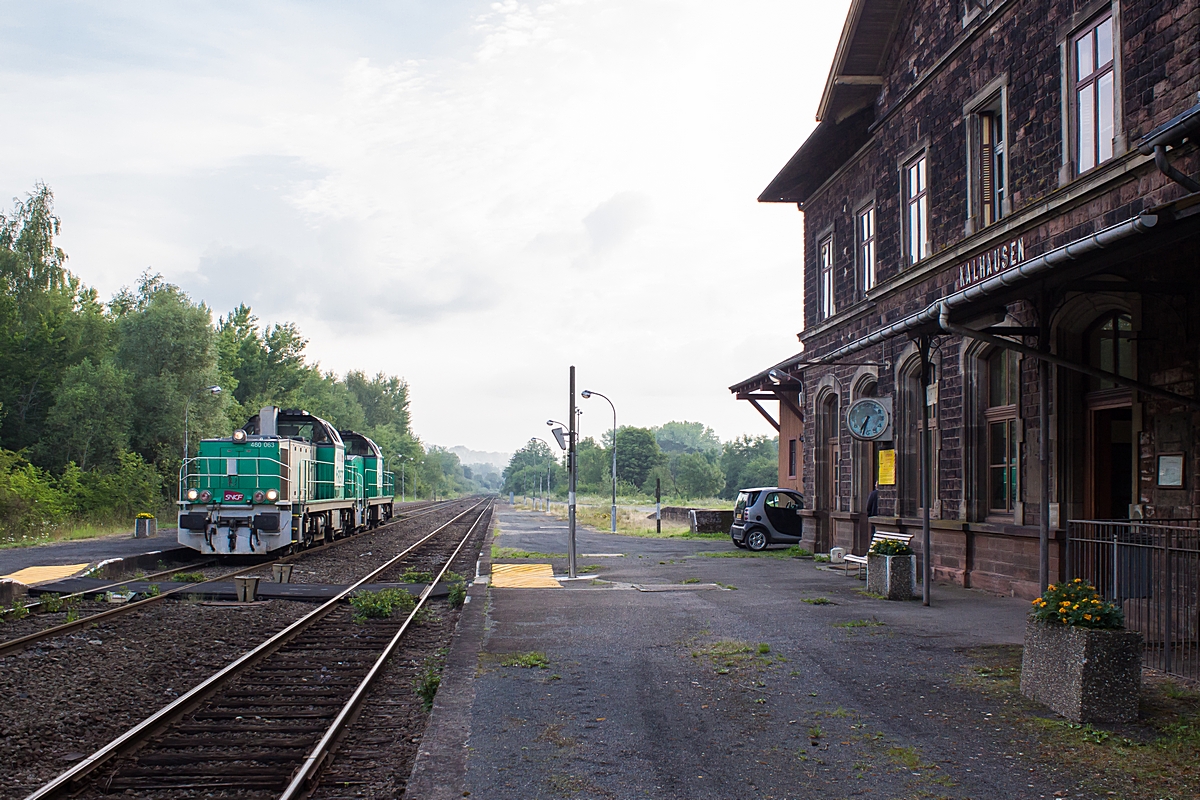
145	527
282	573
837	555
247	589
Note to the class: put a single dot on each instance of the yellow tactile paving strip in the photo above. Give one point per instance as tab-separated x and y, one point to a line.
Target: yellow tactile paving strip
31	575
524	576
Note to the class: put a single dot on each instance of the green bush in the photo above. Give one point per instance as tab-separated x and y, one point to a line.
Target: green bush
458	594
188	577
890	547
414	575
1077	603
428	682
381	604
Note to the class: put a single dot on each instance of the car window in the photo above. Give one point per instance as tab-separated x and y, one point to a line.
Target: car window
772	500
743	500
797	500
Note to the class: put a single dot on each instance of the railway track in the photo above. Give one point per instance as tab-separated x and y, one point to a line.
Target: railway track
14	644
266	724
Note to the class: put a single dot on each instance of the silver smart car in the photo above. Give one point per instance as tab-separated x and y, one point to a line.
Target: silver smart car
765	516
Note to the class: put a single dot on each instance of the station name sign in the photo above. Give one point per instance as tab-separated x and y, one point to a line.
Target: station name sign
993	262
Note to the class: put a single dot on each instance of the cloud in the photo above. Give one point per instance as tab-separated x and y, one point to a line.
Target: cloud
612	222
417	184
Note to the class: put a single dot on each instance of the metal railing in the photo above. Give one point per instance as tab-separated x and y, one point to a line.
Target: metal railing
1152	569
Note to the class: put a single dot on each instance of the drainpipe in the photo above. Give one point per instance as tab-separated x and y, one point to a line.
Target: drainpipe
1173	133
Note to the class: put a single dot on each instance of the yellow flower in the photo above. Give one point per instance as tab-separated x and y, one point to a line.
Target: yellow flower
1051	587
1088	617
1075	607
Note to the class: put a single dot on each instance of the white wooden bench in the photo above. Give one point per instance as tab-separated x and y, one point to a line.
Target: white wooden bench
861	561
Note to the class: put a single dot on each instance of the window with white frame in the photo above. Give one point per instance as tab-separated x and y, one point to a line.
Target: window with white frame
866	249
826	256
1093	94
1001	414
916	204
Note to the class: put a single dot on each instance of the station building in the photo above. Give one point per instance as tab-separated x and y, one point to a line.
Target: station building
1002	245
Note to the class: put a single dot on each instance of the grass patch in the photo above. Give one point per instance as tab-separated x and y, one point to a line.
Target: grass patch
744	554
512	552
70	532
589	569
188	577
1160	751
858	623
534	659
818	601
690	580
429	680
728	655
414	575
796	551
871	595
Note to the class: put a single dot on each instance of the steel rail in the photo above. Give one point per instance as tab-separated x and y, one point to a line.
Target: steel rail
67	627
69	780
108	586
307	772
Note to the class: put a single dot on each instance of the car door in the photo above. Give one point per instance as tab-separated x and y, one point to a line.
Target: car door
780	510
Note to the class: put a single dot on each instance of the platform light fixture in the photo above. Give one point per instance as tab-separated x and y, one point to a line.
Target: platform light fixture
586	393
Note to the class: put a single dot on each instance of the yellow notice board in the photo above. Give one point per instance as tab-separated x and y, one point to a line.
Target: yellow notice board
887	467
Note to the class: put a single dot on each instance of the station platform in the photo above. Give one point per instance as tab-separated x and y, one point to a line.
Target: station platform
55	560
664	672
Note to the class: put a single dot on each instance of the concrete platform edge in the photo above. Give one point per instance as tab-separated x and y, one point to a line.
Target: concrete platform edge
440	769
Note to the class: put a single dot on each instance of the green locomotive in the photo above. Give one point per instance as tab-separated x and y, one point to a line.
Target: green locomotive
285	479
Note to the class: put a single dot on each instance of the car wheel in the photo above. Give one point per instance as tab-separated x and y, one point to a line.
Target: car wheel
756	540
737	544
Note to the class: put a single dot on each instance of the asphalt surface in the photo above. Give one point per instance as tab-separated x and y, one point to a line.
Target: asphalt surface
697	690
84	551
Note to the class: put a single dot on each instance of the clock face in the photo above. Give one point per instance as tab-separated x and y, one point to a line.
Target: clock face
867	418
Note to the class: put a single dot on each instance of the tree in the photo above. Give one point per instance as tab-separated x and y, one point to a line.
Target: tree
750	462
90	420
533	462
687	437
637	454
696	476
593	466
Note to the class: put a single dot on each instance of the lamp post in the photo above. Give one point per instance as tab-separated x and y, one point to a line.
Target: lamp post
571	469
400	457
586	394
213	390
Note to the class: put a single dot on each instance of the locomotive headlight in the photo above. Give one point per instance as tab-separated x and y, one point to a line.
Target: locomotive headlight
239	436
259	496
193	494
272	495
205	496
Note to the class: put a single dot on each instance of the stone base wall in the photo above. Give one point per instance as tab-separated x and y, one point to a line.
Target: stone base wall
998	559
1082	674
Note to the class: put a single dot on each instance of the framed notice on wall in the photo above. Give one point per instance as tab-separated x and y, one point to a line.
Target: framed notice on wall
887	467
1170	470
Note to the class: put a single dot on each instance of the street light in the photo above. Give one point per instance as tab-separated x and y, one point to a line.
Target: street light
586	393
400	457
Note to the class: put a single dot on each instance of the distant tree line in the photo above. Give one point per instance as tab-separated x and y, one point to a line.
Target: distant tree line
93	394
687	457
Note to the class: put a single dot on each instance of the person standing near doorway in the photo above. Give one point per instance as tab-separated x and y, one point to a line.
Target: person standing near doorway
873	505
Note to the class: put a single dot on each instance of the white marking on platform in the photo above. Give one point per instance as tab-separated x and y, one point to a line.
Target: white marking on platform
603	555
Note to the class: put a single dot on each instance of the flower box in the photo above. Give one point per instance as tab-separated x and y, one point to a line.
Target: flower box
1083	674
894	577
145	527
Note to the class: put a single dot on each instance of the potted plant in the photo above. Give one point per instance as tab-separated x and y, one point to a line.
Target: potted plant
145	526
892	570
1078	659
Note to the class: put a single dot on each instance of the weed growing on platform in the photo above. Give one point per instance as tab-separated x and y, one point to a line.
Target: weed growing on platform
818	601
72	614
690	580
458	594
858	623
153	590
512	552
19	610
381	604
821	558
414	575
51	603
744	554
796	551
763	648
429	680
188	577
589	569
1159	751
534	659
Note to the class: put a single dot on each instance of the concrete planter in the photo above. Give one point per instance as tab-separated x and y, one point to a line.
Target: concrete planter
894	577
144	528
1083	674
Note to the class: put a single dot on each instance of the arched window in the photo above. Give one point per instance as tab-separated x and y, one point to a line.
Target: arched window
1004	391
1110	348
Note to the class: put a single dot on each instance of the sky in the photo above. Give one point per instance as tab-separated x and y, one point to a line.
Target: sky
471	195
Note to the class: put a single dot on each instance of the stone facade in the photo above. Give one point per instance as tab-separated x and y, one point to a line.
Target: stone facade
945	68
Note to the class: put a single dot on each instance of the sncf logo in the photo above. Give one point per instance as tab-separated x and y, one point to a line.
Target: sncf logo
234	497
